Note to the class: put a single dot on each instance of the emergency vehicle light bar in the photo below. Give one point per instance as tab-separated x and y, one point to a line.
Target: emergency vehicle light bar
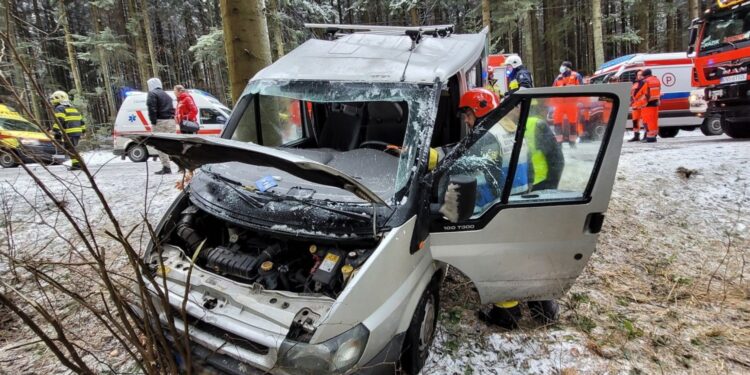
414	32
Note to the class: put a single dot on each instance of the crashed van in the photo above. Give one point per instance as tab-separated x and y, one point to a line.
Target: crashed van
317	249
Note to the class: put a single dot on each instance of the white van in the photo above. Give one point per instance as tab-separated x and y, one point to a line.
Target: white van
673	70
133	119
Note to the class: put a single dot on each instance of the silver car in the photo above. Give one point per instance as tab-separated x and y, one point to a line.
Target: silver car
317	225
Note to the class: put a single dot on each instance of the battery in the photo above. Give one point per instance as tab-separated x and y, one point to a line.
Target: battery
329	268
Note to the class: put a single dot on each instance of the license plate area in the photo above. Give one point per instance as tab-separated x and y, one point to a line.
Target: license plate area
734	78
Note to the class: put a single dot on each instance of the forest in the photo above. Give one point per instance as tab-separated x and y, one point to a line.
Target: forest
98	50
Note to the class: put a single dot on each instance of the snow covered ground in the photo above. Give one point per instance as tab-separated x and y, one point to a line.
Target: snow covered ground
641	306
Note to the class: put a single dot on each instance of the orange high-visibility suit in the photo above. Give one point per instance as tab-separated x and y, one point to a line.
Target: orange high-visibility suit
637	102
650	113
566	109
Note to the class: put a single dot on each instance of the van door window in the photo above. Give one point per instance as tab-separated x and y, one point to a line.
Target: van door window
210	116
561	154
280	121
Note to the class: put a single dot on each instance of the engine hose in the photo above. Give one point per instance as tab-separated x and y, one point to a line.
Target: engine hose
186	233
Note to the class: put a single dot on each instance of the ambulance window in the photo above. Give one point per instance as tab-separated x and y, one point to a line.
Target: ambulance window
628	76
210	116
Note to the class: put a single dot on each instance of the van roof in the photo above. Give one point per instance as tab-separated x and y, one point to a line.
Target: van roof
671	58
377	57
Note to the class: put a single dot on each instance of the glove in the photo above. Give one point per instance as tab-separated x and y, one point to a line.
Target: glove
57	134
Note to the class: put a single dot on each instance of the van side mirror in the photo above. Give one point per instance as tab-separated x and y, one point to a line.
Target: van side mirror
457	202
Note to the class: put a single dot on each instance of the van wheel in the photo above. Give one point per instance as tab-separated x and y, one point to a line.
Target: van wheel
712	126
138	153
421	332
668	132
7	160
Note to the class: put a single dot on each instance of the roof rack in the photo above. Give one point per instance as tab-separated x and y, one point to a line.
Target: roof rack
413	32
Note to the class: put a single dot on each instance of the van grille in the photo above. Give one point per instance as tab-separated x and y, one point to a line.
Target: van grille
223	334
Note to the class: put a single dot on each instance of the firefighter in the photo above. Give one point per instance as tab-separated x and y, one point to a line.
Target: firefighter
68	120
519	76
637	102
565	116
545	154
651	90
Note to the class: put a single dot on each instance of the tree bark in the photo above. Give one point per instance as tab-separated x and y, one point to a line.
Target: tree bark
596	18
103	64
72	59
643	22
528	39
275	18
140	54
486	17
245	40
694	8
149	38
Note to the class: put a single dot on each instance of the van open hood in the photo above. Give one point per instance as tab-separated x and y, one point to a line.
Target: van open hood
191	152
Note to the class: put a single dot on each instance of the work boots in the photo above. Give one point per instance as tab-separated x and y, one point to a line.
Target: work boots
504	317
636	137
648	140
164	170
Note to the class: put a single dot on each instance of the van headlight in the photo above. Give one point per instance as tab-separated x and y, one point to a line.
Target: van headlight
29	141
336	355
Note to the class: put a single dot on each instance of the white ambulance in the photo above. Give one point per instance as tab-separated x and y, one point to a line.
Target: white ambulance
132	118
673	70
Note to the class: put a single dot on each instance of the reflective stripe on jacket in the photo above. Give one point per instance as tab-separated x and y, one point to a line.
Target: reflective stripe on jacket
654	91
69	119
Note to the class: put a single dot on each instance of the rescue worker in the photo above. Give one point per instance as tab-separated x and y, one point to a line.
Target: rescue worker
68	120
565	116
651	90
637	102
545	154
519	76
161	115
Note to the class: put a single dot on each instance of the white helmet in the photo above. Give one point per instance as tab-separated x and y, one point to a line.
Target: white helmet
514	61
58	97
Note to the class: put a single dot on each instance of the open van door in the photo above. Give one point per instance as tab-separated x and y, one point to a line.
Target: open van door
540	205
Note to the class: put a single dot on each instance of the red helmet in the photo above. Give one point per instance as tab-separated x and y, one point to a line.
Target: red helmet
482	101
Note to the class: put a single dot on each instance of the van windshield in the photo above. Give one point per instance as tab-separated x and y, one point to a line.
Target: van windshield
17	125
370	132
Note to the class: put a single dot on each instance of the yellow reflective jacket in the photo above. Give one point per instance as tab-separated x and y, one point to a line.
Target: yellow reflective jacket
69	119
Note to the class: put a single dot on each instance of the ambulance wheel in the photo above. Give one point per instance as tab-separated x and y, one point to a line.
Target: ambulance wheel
668	132
737	130
421	332
712	126
7	160
138	153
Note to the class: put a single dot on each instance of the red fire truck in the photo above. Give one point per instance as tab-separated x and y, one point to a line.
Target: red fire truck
720	42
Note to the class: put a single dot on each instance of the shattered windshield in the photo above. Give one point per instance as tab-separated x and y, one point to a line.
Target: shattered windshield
368	131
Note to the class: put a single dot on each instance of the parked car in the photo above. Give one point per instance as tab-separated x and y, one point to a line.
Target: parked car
324	252
20	139
132	118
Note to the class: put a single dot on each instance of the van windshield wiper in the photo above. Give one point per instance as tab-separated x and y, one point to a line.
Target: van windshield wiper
233	185
348	214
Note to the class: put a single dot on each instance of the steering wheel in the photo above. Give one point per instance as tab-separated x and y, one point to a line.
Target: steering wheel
369	144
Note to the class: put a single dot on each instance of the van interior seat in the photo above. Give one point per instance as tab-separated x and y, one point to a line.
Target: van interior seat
342	127
386	122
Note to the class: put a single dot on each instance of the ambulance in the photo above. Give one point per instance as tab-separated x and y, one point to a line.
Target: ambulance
673	70
20	139
133	119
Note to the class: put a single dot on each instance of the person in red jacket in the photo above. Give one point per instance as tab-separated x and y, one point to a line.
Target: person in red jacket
650	112
186	108
565	116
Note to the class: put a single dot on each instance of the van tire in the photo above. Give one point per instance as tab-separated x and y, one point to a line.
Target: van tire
138	153
670	132
421	332
712	126
7	160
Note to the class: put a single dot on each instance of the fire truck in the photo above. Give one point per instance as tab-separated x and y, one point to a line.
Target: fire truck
720	46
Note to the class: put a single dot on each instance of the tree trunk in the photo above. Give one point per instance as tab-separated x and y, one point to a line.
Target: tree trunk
149	38
140	53
414	16
528	39
72	59
245	41
275	18
643	22
486	18
596	17
104	64
671	29
694	8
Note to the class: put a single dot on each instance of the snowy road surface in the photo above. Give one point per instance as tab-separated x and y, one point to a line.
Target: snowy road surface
638	307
